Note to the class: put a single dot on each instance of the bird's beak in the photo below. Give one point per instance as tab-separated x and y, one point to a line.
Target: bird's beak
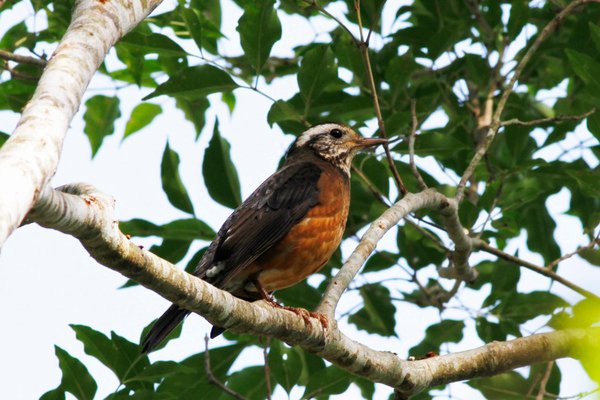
369	142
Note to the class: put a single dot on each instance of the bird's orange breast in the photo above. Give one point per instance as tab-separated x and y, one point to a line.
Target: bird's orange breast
310	243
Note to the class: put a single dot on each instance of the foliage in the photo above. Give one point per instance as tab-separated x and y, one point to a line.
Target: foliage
443	55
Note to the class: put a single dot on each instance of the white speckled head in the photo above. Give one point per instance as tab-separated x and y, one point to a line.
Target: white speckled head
333	142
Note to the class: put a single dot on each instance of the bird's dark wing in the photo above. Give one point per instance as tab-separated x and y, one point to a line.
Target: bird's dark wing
262	220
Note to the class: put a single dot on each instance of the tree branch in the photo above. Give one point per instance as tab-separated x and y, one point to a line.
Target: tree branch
495	123
540	270
213	379
411	145
8	56
30	156
82	211
541	121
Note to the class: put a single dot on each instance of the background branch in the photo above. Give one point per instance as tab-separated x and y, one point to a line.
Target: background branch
495	123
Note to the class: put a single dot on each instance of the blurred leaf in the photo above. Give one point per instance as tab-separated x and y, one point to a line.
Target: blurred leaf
591	255
285	364
446	331
158	370
332	380
521	307
100	116
259	29
317	70
378	312
141	116
195	82
76	378
181	229
171	181
380	261
585	67
153	43
3	138
220	175
282	111
250	381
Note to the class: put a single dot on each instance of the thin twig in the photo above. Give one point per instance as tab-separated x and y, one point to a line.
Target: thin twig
364	51
495	124
411	145
544	381
8	56
210	377
267	368
536	268
560	118
562	258
340	23
17	74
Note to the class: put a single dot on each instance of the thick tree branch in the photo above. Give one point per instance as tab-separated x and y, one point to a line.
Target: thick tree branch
495	123
87	214
29	157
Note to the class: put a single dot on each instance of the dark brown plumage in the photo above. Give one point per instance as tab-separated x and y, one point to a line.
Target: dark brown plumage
286	230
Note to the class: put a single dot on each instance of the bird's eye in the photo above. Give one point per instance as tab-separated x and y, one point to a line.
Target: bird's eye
336	133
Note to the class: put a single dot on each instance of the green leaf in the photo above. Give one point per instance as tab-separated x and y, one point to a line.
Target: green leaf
332	380
220	175
100	116
285	364
282	111
141	116
540	231
76	378
172	183
158	370
507	386
188	385
54	394
195	83
593	124
378	312
3	138
250	381
192	20
591	255
152	43
595	33
585	67
318	69
446	331
181	229
259	29
521	307
380	261
100	347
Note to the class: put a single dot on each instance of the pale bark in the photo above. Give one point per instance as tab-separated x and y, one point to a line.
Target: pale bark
87	214
30	156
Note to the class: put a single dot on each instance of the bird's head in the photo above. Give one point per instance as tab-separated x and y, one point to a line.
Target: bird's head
335	143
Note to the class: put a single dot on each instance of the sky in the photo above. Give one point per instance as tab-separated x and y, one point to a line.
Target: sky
48	281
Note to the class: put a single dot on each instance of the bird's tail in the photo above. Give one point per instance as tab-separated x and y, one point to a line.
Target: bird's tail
163	326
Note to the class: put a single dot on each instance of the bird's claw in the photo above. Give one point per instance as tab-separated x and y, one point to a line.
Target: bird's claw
304	314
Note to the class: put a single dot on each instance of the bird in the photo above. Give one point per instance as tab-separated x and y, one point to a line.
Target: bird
286	230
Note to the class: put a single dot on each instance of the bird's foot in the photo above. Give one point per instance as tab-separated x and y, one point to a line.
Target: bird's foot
304	314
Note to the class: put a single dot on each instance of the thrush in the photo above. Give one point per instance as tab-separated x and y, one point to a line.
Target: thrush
286	230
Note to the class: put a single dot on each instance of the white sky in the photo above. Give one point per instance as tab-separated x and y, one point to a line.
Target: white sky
47	280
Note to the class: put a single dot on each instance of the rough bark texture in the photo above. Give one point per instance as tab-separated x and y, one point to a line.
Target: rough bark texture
30	156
